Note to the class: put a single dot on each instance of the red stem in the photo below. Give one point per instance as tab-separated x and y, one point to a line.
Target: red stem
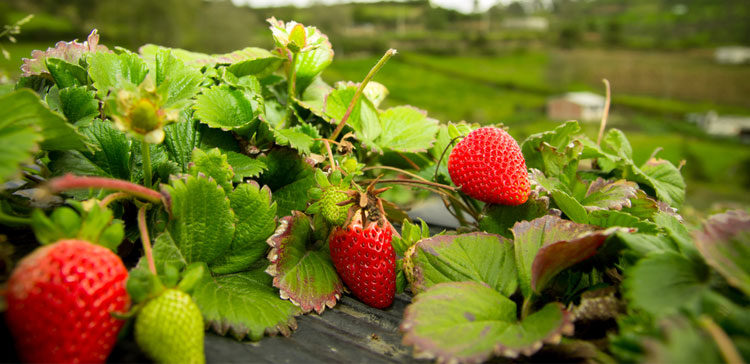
71	182
145	239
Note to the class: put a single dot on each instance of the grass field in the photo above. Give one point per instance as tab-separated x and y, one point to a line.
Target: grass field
512	89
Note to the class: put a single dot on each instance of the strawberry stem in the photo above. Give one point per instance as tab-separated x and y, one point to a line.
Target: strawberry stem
388	54
113	197
395	169
442	155
146	155
411	181
330	154
145	239
723	342
291	89
72	182
605	114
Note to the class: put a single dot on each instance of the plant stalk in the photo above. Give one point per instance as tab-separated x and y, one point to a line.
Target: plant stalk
10	220
72	182
112	197
146	155
388	54
145	239
723	342
411	181
605	114
291	90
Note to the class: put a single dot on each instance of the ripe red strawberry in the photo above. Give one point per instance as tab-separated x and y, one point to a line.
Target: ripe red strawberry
60	299
366	261
488	166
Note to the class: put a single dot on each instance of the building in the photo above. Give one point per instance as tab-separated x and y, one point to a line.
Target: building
723	125
581	106
732	55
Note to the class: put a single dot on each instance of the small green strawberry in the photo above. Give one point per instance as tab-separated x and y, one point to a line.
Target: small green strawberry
169	328
329	207
329	195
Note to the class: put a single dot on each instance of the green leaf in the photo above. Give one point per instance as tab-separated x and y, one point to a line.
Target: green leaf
66	74
290	177
363	118
725	244
478	257
609	195
407	129
570	206
312	63
556	139
294	138
499	219
665	281
176	80
302	269
255	221
180	139
615	142
202	223
642	206
111	71
23	109
112	154
213	164
643	244
609	218
684	342
166	253
664	178
467	322
548	245
79	105
676	230
244	305
244	166
198	60
261	66
228	109
17	145
314	97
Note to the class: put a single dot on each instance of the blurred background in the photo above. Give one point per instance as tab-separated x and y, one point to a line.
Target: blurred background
679	69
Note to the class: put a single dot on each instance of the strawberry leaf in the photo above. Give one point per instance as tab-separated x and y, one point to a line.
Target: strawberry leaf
363	118
23	109
478	257
312	63
609	195
301	267
71	52
244	305
290	177
111	71
407	129
499	219
679	283
79	105
244	166
610	218
725	244
228	108
643	244
664	178
255	221
552	140
468	322
237	59
180	139
546	246
66	74
202	223
213	164
178	82
295	138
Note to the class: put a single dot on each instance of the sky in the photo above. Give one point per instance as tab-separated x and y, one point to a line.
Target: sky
465	6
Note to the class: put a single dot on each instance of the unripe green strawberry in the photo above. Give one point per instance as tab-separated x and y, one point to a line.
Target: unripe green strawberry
169	329
332	212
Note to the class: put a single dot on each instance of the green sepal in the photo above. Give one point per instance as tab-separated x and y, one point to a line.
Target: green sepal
143	285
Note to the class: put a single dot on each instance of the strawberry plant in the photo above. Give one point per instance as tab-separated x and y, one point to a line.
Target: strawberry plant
266	192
